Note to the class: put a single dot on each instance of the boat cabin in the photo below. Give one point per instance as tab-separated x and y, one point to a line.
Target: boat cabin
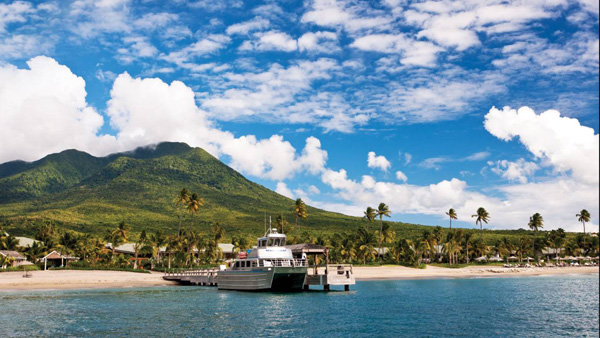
270	251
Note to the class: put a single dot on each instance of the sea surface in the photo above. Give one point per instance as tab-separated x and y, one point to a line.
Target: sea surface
486	307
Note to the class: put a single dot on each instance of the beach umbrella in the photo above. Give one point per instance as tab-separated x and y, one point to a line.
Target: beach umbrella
481	259
588	258
495	259
513	258
570	258
579	258
528	259
557	258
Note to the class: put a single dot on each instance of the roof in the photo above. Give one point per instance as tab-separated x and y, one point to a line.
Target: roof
9	253
56	255
307	248
226	247
552	251
26	241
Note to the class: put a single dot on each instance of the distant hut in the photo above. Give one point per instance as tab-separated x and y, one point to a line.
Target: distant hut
16	258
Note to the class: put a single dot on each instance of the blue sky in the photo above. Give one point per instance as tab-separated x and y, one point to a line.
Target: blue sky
342	103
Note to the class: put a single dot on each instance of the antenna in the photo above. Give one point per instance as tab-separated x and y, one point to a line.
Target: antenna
265	222
270	224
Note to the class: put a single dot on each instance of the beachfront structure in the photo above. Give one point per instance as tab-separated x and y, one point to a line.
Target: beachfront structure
56	259
16	258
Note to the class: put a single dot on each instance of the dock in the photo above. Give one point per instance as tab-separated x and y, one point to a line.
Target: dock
326	276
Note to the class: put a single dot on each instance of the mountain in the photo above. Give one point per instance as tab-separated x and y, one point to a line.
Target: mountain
90	194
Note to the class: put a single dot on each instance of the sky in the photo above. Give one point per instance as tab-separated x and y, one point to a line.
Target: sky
422	105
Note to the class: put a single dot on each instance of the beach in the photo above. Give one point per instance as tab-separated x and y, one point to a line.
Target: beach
433	272
83	279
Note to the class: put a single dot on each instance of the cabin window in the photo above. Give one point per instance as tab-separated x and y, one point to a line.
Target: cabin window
237	264
276	242
253	263
262	242
283	242
270	242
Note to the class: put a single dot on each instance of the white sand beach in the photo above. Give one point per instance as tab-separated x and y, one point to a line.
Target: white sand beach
432	272
79	279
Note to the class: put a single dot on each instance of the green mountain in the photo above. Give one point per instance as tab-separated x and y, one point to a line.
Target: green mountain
90	194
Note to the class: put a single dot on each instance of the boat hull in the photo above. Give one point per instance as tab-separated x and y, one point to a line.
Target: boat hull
263	279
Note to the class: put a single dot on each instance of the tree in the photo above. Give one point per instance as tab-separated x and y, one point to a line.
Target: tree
583	216
467	239
557	239
281	223
8	242
117	236
299	210
370	214
452	215
364	244
382	210
536	222
157	240
217	234
138	246
482	217
193	205
182	201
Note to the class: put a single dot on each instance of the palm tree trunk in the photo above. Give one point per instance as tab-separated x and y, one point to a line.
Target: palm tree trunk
380	230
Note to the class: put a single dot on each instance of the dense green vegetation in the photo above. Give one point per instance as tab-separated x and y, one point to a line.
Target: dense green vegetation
86	201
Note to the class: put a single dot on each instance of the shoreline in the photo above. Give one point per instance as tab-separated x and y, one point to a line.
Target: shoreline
106	279
433	272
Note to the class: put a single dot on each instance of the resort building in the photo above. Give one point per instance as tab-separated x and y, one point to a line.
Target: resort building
15	258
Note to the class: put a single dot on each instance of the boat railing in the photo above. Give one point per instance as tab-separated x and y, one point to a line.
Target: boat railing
283	262
190	272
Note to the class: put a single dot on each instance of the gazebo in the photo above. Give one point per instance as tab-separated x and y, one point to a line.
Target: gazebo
56	259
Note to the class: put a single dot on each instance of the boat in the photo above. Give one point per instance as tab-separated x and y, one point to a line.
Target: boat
268	267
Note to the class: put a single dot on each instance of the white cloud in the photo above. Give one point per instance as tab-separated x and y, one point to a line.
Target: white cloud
16	46
271	41
349	15
319	42
43	110
380	162
282	189
271	94
416	53
514	171
435	162
247	27
185	57
17	11
400	176
314	190
558	141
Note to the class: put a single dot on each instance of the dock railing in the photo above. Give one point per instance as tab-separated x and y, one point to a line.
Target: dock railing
190	272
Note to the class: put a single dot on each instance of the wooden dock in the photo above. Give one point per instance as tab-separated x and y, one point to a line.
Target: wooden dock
330	274
207	277
327	275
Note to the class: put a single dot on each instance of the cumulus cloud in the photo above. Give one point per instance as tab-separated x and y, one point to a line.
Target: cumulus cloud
247	27
43	110
380	162
416	53
518	171
282	189
435	162
558	141
270	41
400	176
319	42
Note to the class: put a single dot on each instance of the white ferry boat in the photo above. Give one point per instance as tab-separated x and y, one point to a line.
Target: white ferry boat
270	266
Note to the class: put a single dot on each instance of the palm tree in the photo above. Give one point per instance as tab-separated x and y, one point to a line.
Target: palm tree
370	214
138	247
364	243
452	215
117	236
536	222
217	233
583	216
157	240
182	201
468	238
280	223
299	210
482	217
193	205
382	210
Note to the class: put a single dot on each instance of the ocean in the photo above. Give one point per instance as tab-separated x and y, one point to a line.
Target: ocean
548	306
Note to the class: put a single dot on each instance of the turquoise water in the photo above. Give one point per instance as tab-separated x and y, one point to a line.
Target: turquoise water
490	307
